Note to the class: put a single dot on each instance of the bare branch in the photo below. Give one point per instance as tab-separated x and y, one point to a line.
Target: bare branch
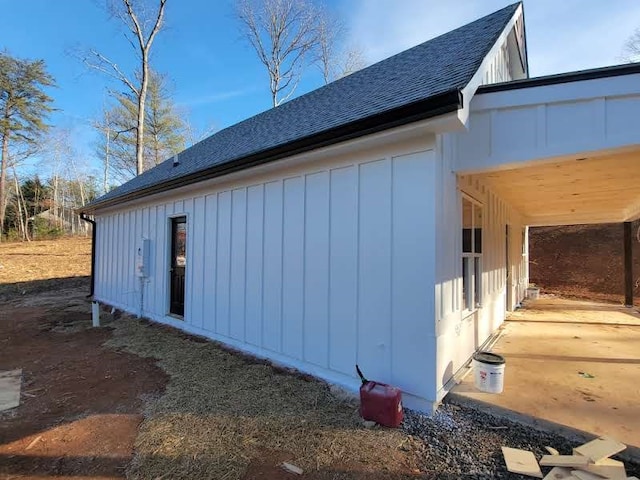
282	32
104	65
137	30
157	25
120	132
631	49
335	62
352	61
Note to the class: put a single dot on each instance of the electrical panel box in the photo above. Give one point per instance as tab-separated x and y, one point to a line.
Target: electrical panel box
143	256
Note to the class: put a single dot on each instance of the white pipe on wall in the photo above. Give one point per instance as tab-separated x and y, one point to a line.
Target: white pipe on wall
95	314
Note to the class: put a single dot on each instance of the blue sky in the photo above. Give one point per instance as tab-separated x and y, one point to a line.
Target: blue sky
217	79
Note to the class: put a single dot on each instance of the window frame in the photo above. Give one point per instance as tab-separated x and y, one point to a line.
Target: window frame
470	303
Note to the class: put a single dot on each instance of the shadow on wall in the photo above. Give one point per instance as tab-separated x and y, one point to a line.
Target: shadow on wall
448	373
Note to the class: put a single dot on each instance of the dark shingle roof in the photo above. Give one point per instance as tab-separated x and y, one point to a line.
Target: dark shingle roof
429	71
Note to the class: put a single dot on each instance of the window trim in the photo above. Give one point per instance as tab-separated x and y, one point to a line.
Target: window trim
477	305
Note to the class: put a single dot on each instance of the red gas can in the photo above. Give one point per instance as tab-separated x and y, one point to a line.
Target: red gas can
380	403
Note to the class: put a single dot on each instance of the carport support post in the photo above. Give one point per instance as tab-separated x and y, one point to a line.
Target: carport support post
628	265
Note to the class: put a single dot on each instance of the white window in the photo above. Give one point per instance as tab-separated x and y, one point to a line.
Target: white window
471	254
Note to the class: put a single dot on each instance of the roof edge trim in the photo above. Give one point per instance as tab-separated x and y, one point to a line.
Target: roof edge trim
568	77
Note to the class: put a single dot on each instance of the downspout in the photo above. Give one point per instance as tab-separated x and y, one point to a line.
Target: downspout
84	217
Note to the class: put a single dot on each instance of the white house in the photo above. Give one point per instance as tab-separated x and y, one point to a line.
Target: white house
381	219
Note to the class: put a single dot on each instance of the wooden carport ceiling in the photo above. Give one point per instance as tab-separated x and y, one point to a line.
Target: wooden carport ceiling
585	190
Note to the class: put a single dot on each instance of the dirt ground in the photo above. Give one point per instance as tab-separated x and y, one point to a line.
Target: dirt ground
39	266
582	261
81	404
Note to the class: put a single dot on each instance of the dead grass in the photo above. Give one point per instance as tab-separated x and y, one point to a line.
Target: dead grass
28	267
223	411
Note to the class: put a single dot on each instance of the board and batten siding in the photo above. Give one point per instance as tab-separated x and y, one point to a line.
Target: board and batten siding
516	128
317	269
460	333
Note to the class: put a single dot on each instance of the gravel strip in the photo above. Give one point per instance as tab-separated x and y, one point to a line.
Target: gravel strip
465	443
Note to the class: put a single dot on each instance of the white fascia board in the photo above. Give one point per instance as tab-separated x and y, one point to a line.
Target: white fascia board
616	86
469	91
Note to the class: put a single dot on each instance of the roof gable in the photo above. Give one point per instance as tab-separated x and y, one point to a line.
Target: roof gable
427	77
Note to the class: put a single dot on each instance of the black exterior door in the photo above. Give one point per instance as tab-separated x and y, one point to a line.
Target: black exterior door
178	264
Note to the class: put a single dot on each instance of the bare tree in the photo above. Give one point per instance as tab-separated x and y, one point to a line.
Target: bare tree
282	32
631	50
104	125
23	213
58	150
351	61
143	27
194	135
330	30
332	58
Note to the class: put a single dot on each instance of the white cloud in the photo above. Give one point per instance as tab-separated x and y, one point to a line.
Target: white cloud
563	35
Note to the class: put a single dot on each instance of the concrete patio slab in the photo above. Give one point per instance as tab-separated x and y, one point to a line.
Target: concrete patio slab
572	363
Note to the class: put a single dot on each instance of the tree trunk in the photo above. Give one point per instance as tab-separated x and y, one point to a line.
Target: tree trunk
3	179
54	204
141	105
23	212
106	154
21	220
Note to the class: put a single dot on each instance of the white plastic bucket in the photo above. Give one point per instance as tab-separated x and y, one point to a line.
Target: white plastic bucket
533	293
489	372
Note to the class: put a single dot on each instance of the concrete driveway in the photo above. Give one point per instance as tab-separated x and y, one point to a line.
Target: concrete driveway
574	363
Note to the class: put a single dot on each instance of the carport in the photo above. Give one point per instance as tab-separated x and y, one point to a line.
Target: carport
563	150
570	362
560	150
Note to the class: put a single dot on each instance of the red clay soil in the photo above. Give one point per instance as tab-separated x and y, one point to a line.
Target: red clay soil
582	261
81	402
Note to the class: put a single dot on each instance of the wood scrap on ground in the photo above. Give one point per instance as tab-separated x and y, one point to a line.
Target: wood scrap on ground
600	448
10	383
521	461
582	475
589	462
559	473
292	468
564	461
33	442
607	468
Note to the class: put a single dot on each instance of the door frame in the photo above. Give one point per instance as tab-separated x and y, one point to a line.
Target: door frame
167	267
